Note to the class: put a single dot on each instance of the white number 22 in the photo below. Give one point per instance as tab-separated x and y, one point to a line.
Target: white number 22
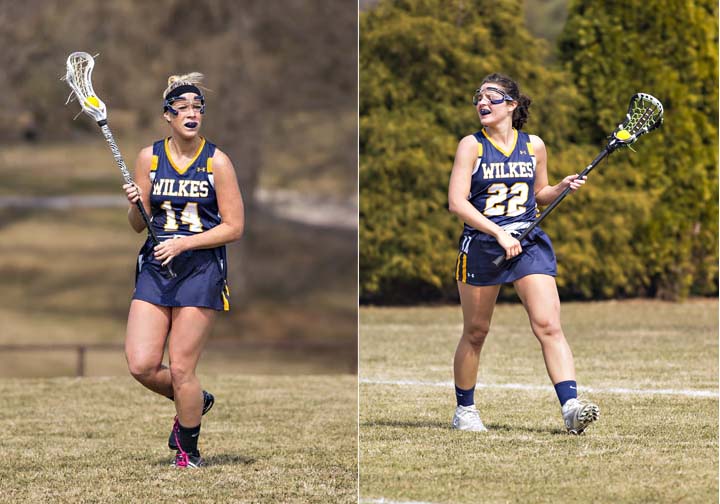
498	204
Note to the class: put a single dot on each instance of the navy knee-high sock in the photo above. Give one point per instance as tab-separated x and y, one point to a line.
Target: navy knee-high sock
565	391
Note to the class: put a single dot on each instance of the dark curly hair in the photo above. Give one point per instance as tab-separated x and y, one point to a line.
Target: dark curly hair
521	112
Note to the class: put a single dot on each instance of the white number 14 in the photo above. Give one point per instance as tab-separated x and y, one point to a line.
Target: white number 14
189	216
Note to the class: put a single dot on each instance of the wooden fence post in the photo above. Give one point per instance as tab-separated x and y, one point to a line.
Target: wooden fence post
81	360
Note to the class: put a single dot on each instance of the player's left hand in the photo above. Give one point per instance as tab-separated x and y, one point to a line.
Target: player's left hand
574	182
166	250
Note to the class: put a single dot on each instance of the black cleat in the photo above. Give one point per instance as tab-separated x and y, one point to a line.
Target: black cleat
208	401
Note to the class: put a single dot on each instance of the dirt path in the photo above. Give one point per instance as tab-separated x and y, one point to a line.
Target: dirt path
286	204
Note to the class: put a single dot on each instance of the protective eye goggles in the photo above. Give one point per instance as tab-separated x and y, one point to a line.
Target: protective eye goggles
494	95
176	104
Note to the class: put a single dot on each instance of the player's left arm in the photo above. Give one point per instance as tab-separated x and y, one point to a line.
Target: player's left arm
545	193
230	206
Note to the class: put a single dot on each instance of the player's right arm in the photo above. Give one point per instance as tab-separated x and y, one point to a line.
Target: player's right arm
140	189
458	203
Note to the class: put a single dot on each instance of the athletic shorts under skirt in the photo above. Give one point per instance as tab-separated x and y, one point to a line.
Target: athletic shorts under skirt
474	264
200	281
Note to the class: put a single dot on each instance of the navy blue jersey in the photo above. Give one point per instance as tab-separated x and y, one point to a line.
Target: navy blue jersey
502	184
183	200
502	188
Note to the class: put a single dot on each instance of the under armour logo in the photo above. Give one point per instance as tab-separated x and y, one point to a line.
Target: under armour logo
201	169
523	152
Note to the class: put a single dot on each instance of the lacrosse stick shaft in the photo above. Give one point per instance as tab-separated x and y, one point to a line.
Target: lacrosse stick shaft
115	151
500	260
128	180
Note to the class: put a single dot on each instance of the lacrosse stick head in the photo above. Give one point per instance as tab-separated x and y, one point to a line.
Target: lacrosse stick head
645	113
78	75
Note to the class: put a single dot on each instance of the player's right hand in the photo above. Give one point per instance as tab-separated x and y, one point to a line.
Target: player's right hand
511	245
132	192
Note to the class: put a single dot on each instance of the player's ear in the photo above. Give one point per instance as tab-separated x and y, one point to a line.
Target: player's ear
167	117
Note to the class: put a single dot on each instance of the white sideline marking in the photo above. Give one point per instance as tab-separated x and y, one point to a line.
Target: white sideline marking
520	386
383	500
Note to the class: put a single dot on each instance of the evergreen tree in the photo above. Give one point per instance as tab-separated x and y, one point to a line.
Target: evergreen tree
420	63
668	233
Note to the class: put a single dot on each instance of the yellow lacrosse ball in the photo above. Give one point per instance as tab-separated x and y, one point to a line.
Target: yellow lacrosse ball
92	101
622	135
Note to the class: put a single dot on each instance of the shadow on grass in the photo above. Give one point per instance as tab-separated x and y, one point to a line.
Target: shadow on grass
517	428
229	459
424	424
215	460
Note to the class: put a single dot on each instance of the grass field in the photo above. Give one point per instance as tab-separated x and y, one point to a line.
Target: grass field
647	447
268	439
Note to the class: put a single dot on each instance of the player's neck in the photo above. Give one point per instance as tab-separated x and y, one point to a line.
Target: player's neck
182	147
502	134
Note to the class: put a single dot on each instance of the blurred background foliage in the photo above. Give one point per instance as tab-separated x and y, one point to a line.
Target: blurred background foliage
644	225
282	102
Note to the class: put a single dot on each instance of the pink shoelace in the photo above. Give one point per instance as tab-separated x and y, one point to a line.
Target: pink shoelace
181	459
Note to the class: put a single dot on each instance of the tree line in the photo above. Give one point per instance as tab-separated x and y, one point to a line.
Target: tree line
645	224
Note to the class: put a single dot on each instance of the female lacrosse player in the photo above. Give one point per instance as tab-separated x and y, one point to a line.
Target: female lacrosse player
498	178
190	189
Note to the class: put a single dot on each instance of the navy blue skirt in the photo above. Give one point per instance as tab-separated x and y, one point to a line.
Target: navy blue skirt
475	267
201	279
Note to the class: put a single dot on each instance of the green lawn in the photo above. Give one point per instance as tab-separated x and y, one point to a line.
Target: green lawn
645	448
268	439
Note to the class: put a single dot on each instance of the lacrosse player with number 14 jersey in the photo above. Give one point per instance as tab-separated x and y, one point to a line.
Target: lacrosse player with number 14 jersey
189	188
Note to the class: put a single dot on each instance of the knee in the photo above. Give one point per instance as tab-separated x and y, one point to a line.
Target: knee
141	368
547	329
181	373
475	334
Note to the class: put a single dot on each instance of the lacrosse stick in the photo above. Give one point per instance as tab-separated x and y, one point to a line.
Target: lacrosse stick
645	113
79	78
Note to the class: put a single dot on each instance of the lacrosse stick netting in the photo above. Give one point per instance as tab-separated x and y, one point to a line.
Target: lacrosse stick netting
645	113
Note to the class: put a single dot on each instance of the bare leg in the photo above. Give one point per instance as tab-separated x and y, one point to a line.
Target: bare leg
190	329
540	297
478	304
147	330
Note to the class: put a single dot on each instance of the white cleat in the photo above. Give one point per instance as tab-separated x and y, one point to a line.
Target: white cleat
578	415
467	418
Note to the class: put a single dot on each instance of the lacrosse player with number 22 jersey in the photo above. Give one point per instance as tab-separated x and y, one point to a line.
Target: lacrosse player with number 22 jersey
498	178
